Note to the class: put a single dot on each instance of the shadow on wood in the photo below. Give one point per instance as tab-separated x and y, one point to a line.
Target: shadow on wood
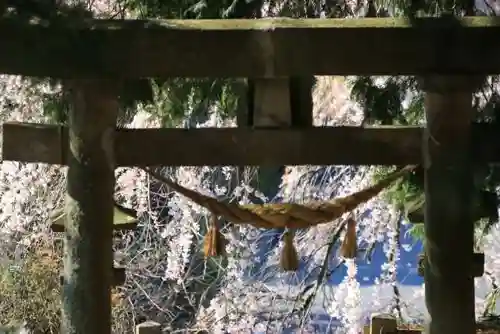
119	276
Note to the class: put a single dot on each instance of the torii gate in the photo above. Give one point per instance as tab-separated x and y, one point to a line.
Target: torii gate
92	57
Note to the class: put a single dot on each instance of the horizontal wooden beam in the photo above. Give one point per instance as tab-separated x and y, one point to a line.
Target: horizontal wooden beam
226	146
250	48
239	146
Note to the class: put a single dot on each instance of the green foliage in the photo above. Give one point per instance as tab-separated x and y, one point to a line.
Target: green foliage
398	101
178	100
491	301
423	8
176	9
43	9
382	99
405	194
388	101
193	9
30	292
417	231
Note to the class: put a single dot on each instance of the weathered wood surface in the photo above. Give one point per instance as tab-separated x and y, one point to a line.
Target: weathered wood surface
449	184
148	327
250	48
477	264
88	254
386	324
232	146
271	103
485	205
119	276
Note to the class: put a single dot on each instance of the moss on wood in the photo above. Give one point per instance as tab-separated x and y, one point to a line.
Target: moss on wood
247	48
266	24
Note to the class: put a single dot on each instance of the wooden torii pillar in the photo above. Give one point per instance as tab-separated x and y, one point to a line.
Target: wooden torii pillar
449	225
88	255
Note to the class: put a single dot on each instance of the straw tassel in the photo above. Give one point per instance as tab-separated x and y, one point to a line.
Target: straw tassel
349	247
289	257
214	243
